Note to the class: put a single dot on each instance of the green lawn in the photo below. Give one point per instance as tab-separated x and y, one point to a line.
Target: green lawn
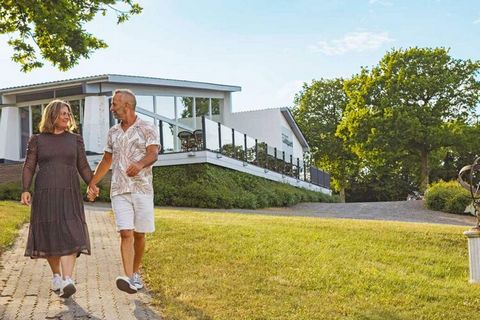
12	216
230	266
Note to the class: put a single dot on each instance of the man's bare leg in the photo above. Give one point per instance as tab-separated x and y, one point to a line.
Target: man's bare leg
139	247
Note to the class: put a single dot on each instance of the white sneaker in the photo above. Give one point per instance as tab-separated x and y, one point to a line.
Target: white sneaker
124	284
137	281
68	288
56	282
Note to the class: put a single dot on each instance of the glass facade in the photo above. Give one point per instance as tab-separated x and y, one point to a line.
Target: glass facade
24	130
31	115
36	111
145	102
180	117
179	123
165	106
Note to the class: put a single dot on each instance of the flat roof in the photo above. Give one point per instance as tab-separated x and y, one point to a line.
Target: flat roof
122	79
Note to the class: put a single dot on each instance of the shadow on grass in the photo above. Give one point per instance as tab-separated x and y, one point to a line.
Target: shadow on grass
142	311
379	315
186	309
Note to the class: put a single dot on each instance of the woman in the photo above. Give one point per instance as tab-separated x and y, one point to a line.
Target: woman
58	230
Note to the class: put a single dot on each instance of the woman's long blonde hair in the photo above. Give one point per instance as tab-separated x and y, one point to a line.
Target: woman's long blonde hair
51	114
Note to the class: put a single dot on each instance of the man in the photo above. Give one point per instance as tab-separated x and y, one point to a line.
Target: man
132	149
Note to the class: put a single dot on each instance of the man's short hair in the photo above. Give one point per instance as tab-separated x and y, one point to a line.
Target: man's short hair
130	94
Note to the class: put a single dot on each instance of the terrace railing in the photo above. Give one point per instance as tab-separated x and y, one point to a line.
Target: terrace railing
216	137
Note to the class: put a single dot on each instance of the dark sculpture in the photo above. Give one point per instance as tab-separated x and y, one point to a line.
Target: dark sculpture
473	186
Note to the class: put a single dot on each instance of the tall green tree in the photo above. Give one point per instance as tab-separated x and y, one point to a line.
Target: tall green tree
319	108
54	29
403	107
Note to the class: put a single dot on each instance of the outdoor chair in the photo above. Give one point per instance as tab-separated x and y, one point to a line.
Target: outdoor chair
187	140
198	137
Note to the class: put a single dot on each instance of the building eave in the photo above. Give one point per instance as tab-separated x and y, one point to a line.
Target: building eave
296	130
119	79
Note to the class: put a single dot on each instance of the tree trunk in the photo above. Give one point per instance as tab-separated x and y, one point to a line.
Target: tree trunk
342	194
423	171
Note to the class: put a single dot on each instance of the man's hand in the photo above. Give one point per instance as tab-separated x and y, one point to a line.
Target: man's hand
92	192
26	198
134	169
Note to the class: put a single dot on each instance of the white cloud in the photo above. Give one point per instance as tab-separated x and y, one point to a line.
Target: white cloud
476	21
353	42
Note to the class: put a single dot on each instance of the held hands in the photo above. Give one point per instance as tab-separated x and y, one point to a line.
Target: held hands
26	198
92	192
133	169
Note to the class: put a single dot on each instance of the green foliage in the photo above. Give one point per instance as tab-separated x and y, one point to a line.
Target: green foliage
407	108
12	216
10	191
208	186
446	162
56	29
319	108
447	197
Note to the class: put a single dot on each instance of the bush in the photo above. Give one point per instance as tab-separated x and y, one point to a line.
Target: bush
10	191
447	197
209	186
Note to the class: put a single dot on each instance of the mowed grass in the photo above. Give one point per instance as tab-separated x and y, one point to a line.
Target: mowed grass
12	216
203	265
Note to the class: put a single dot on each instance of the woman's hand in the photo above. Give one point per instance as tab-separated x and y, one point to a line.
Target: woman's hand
26	197
92	192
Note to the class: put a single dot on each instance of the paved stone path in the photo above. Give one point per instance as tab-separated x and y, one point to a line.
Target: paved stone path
25	283
408	211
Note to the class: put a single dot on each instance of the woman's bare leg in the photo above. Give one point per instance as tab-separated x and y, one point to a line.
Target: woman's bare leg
68	263
54	263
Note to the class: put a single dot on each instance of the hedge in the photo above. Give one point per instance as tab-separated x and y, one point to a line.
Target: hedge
209	186
447	197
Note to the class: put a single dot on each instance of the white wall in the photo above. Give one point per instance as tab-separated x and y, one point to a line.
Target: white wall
265	125
96	123
10	134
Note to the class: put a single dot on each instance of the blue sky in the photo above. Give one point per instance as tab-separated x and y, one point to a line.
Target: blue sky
268	47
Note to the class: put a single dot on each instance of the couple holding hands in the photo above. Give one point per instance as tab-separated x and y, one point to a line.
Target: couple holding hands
58	230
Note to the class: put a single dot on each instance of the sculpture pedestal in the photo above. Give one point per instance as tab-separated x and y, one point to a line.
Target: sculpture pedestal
473	237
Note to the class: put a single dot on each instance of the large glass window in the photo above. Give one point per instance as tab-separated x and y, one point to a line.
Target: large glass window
145	117
36	118
202	106
77	113
165	106
24	129
145	102
168	137
216	103
185	111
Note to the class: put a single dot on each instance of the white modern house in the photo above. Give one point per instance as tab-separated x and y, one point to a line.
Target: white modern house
195	120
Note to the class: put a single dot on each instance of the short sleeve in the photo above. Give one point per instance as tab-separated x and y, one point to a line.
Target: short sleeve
151	136
109	146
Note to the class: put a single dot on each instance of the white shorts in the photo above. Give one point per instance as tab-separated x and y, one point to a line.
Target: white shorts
134	211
